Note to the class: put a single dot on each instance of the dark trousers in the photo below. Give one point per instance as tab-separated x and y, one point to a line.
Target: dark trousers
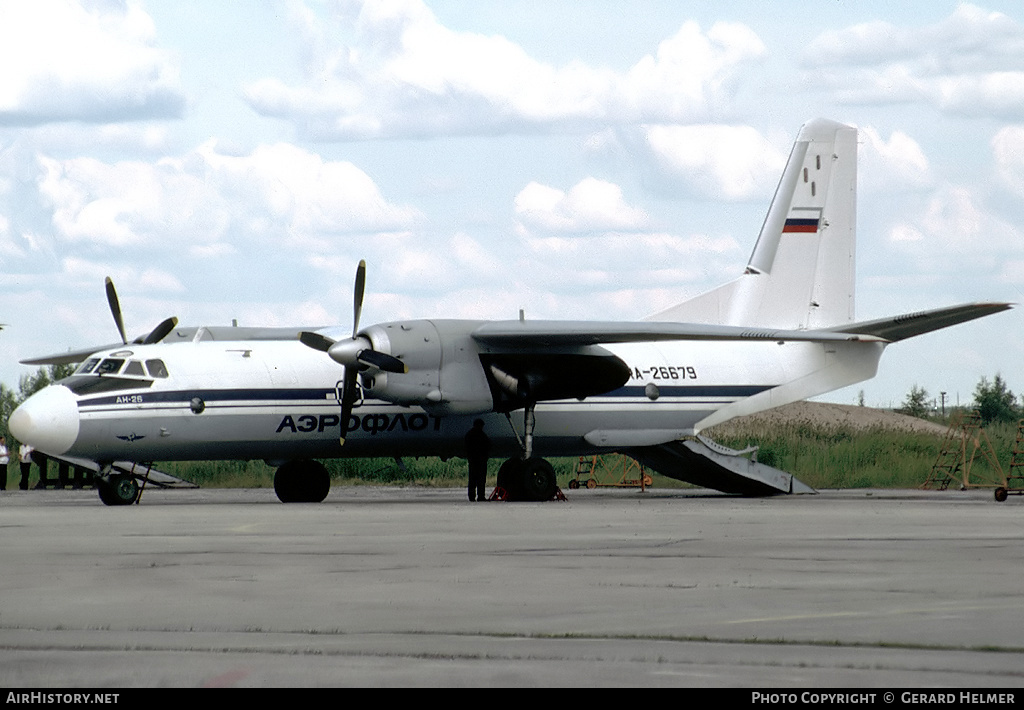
477	478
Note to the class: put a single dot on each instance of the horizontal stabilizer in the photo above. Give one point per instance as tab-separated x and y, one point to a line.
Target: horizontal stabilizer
704	463
911	324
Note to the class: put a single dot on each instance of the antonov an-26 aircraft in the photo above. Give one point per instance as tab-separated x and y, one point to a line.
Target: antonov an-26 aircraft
781	332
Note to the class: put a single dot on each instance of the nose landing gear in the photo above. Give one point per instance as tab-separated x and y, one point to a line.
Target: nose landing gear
118	489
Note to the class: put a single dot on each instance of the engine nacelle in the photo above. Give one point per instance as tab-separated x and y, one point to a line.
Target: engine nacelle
445	375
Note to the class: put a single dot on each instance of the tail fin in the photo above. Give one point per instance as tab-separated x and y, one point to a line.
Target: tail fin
801	273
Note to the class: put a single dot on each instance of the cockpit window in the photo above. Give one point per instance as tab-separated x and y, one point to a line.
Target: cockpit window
134	367
88	366
110	366
157	368
99	385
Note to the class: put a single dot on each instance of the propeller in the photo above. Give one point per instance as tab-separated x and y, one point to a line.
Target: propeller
356	354
154	336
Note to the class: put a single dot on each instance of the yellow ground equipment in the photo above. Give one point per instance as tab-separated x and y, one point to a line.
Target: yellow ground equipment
1015	478
612	470
965	440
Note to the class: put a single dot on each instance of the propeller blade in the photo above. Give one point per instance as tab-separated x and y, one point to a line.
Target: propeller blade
316	341
161	331
115	309
358	299
382	361
355	353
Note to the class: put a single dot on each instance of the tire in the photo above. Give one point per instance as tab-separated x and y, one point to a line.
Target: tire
538	480
510	479
1000	494
120	489
302	482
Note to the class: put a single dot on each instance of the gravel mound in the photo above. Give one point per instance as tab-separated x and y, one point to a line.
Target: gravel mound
828	416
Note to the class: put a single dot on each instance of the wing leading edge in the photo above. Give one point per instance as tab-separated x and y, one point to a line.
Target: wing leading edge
516	333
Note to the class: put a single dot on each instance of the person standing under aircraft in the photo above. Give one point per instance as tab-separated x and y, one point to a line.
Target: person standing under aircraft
42	461
478	450
25	454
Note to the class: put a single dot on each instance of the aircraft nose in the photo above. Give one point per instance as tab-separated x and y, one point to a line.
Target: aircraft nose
48	420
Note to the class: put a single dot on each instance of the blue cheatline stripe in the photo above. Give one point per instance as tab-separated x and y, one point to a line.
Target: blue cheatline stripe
691	391
218	395
326	396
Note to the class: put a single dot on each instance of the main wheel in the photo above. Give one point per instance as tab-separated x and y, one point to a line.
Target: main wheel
538	480
302	482
510	478
1000	494
119	489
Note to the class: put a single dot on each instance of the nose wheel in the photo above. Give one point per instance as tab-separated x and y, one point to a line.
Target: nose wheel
118	489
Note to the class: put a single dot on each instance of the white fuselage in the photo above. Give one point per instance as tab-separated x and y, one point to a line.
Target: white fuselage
278	400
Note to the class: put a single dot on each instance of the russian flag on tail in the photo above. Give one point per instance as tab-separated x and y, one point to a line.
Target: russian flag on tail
800	225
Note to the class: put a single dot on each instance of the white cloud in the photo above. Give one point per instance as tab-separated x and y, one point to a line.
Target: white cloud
591	205
208	202
972	63
730	162
898	163
1008	151
128	203
75	61
406	74
655	258
692	72
299	188
954	233
127	278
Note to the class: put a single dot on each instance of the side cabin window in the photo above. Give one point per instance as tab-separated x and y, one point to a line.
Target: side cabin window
110	366
157	368
134	367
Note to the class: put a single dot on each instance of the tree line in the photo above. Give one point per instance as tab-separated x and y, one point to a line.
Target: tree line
994	401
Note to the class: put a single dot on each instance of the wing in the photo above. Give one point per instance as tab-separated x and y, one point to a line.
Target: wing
176	335
529	334
546	360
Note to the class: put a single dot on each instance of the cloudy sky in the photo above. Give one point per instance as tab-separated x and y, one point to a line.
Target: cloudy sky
594	160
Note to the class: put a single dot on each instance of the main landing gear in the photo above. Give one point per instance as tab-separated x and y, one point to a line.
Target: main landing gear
528	477
302	482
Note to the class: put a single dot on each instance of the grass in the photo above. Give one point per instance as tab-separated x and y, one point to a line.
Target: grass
843	457
820	456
